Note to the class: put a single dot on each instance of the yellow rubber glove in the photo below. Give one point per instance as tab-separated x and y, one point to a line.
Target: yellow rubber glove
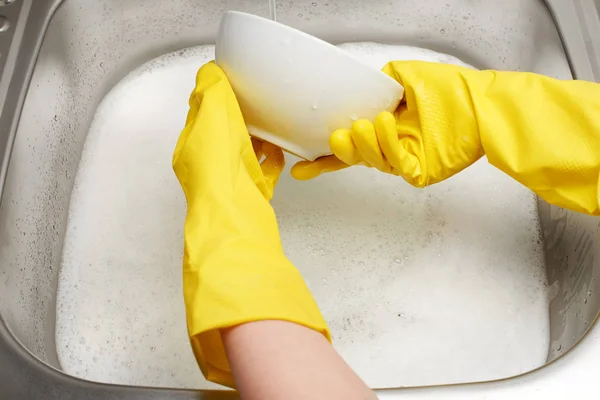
234	268
543	132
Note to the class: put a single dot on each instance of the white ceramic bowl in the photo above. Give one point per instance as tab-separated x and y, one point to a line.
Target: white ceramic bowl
294	89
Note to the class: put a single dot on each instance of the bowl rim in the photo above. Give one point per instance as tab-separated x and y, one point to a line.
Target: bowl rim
309	37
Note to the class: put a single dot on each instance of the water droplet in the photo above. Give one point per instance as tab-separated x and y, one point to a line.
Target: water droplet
314	4
361	263
300	15
152	348
559	348
88	348
315	106
442	31
585	301
353	117
97	327
589	293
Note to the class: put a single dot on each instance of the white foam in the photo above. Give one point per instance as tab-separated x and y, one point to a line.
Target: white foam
419	287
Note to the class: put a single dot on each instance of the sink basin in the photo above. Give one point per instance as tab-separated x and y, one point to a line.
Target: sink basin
60	59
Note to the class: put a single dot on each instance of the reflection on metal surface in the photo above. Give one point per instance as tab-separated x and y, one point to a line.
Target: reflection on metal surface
571	248
4	24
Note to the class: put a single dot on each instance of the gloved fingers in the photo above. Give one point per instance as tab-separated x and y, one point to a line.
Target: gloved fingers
272	165
365	139
305	170
271	161
257	147
387	136
397	149
344	155
343	147
409	168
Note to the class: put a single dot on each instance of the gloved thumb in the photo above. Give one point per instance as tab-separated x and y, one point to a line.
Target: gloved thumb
305	170
344	155
272	165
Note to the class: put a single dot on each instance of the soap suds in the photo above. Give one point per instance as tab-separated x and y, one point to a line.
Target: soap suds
419	287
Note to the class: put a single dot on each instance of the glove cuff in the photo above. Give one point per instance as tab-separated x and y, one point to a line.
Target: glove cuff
228	292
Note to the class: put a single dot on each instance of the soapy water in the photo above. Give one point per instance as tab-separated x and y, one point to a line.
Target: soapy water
419	286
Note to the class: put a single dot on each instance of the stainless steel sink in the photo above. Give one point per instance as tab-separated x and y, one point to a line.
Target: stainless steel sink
59	58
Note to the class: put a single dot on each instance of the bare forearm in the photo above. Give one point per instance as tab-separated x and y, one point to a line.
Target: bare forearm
281	360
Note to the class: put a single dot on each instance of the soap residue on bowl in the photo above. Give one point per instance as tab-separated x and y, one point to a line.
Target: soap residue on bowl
419	287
